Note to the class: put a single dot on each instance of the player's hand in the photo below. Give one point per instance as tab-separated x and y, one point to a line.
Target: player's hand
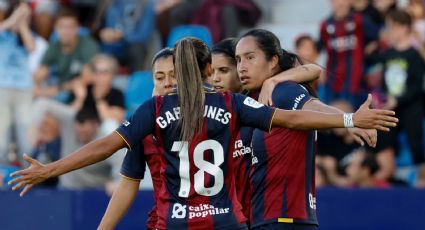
379	119
361	135
34	174
266	93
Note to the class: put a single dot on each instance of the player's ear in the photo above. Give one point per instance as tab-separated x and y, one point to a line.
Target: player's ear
274	62
208	70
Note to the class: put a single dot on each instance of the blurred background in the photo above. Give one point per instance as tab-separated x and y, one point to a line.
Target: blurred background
72	70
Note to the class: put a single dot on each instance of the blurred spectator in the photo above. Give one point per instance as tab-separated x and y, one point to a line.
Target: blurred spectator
344	36
129	27
306	48
334	149
403	79
16	44
44	16
416	11
172	13
48	146
224	18
384	6
85	9
362	169
420	183
108	100
78	129
366	8
65	58
321	177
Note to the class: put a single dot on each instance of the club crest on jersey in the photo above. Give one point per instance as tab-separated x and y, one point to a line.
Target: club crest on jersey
252	103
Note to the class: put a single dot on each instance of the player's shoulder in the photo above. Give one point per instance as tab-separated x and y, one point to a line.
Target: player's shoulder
289	85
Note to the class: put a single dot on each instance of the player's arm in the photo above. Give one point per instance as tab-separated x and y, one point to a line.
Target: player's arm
120	202
307	120
299	74
369	135
89	154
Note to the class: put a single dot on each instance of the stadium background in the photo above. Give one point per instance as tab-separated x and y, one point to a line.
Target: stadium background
338	208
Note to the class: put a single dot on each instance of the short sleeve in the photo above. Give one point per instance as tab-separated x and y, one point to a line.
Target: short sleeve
139	125
290	96
252	113
134	163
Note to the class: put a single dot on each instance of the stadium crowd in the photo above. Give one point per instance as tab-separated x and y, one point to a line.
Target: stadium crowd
60	61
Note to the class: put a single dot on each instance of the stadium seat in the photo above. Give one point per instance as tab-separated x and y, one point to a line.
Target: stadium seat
139	89
83	31
196	31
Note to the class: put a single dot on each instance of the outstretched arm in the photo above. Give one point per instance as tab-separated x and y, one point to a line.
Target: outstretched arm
368	135
120	202
89	154
300	74
363	118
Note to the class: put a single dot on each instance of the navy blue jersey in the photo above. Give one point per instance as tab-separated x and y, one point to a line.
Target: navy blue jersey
283	167
198	189
133	167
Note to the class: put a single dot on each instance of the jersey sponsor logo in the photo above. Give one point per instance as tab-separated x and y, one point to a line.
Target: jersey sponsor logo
179	211
241	149
297	101
252	103
343	43
199	211
211	112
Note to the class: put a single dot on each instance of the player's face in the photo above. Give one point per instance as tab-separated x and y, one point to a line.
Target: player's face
253	67
163	75
67	29
225	75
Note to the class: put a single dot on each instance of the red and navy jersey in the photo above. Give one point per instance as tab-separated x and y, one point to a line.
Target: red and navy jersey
344	42
242	156
282	176
133	167
198	186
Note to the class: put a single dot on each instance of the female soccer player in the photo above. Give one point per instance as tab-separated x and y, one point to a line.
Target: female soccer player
197	128
148	151
225	78
283	164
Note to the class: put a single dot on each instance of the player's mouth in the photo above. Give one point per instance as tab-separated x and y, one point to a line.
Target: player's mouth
244	79
218	88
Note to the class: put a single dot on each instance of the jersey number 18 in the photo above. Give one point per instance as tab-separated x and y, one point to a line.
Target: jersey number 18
204	167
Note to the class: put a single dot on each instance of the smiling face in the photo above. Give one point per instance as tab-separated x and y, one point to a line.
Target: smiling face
225	75
252	64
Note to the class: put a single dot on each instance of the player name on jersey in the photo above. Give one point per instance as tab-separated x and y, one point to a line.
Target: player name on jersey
211	112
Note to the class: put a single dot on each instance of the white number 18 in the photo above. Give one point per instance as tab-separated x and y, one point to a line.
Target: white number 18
203	166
